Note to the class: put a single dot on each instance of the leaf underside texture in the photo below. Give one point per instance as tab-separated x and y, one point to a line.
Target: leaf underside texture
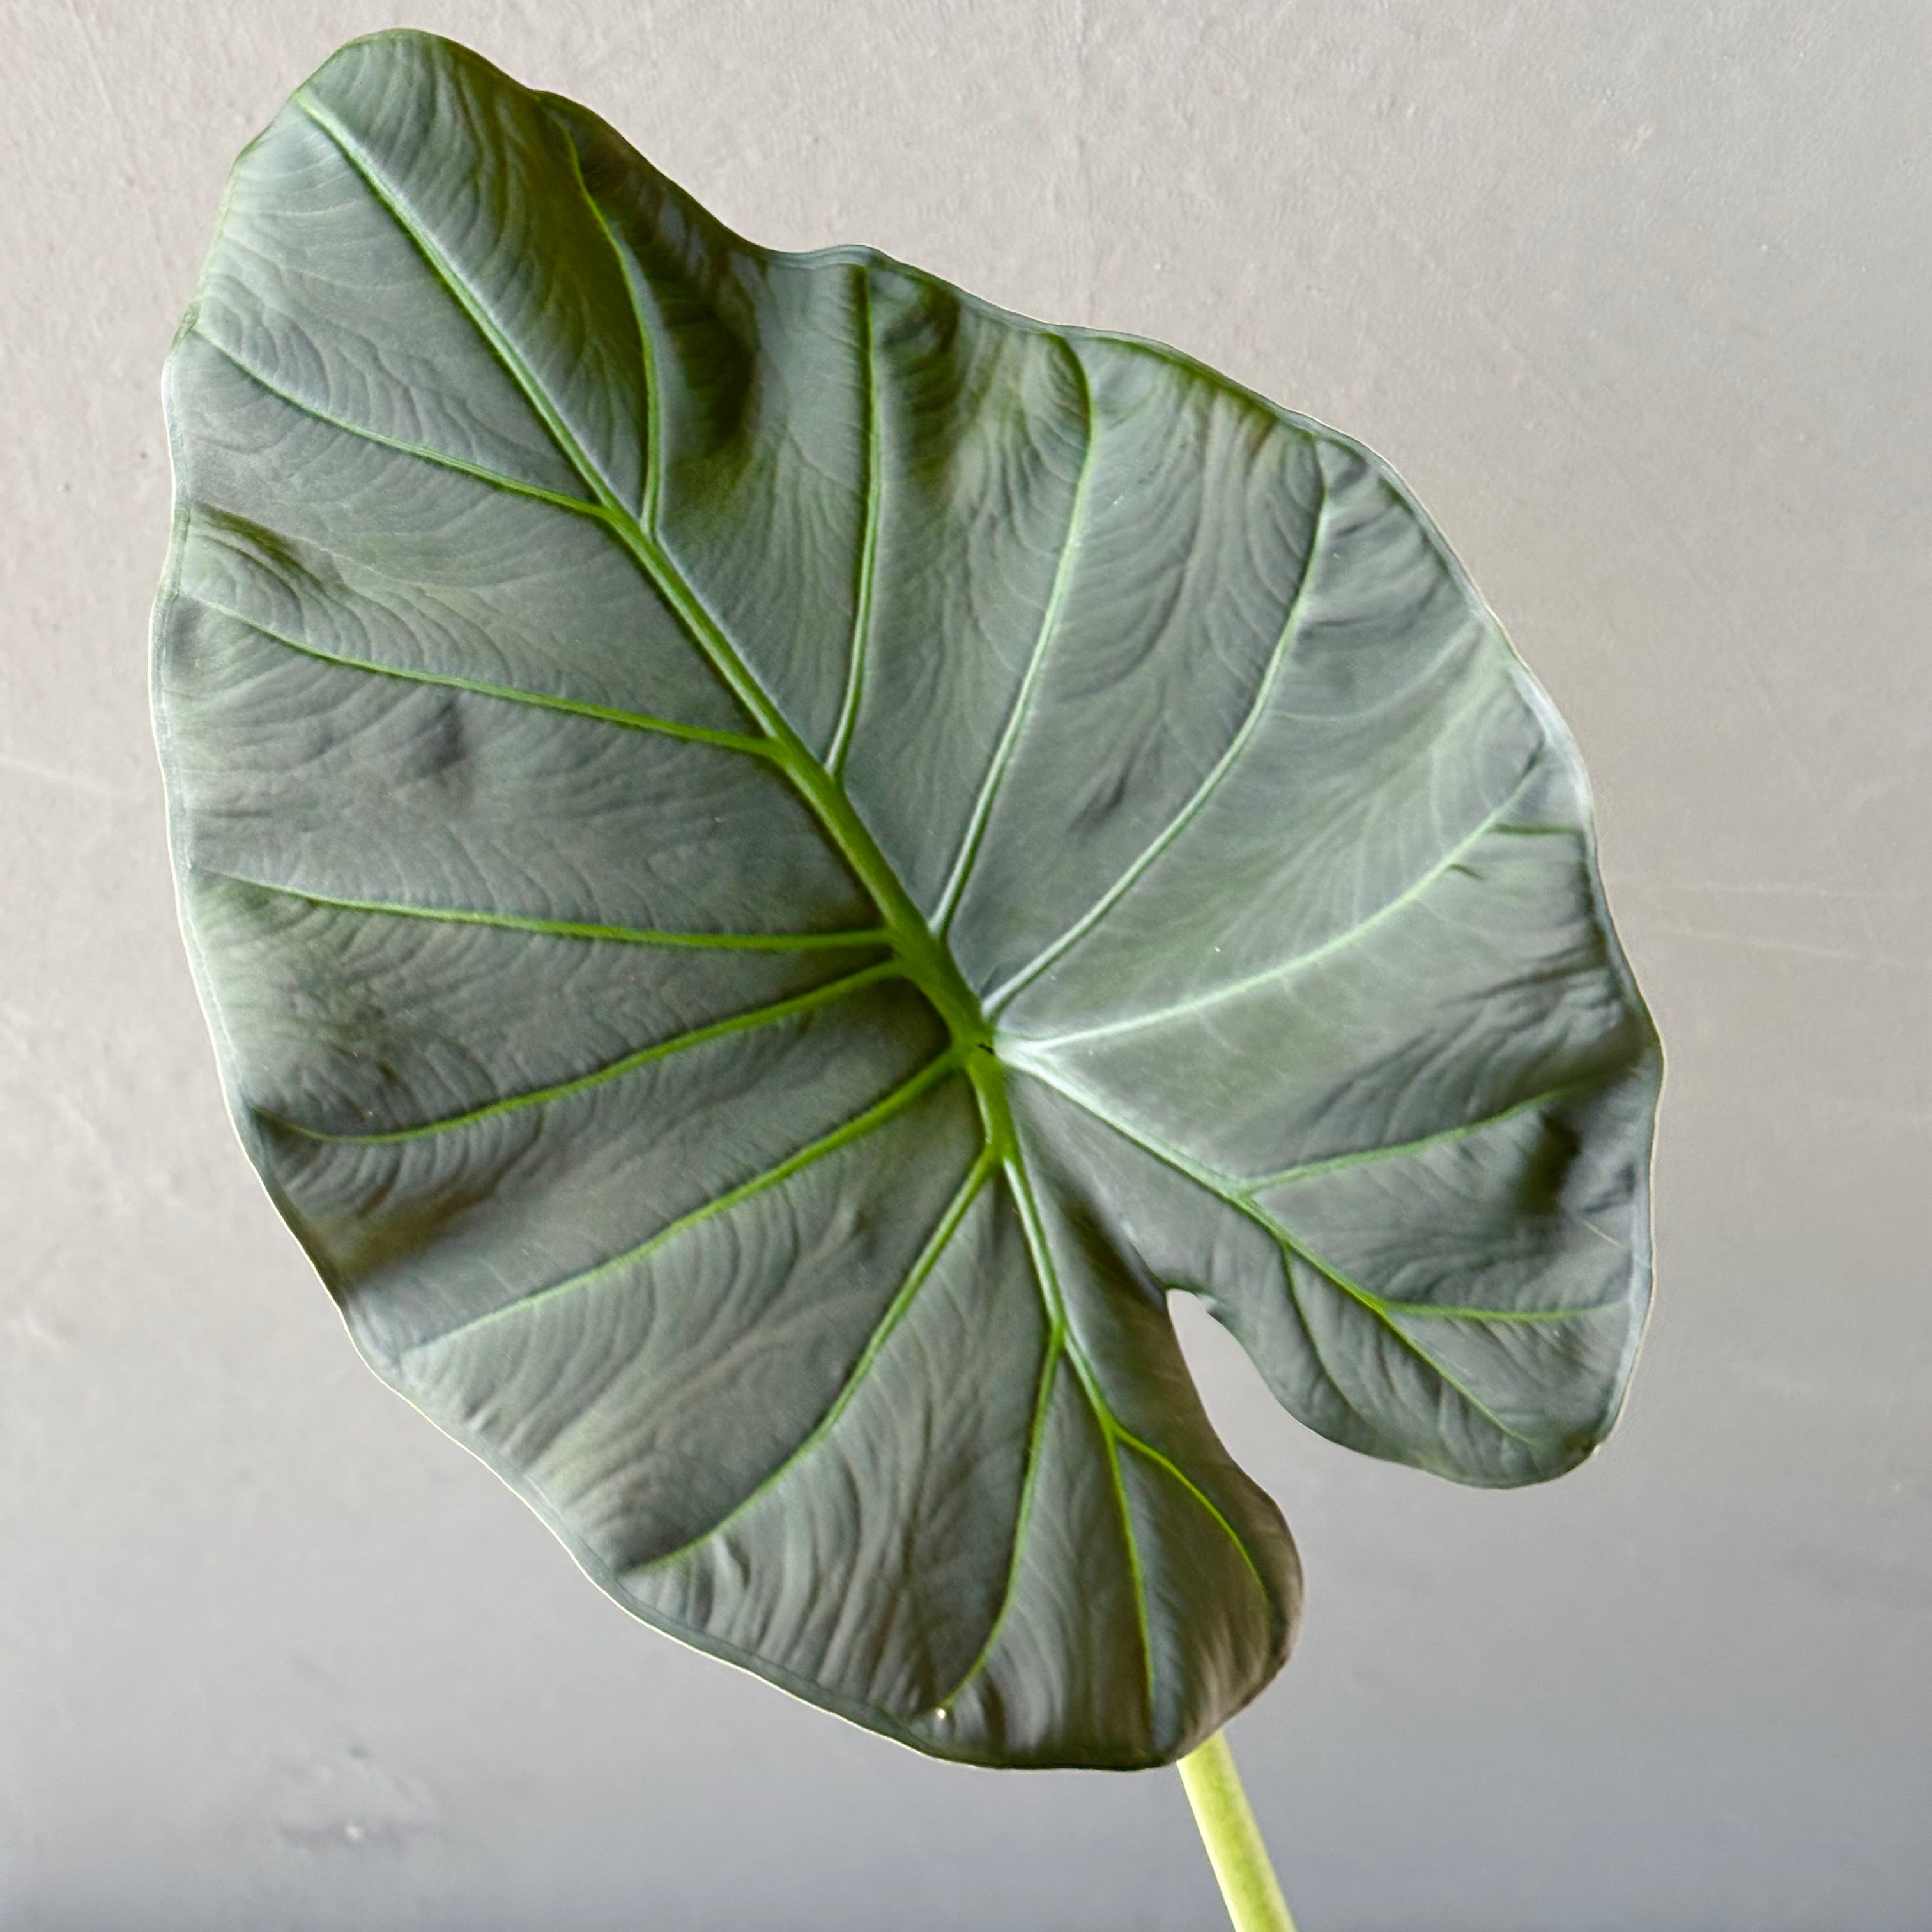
776	854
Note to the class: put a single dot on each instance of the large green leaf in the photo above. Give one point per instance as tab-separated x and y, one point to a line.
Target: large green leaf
774	854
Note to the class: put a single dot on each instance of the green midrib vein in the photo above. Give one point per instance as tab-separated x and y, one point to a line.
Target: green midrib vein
926	962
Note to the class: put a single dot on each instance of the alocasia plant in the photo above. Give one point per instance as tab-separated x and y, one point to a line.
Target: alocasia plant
776	854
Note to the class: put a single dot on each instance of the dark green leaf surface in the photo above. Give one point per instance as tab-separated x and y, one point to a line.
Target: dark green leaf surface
775	853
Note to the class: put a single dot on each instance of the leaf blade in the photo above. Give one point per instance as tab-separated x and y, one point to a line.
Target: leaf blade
907	745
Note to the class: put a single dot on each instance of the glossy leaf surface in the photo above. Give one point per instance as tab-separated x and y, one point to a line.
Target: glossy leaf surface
775	854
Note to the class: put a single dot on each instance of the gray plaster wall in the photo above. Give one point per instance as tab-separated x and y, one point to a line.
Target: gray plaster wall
1635	295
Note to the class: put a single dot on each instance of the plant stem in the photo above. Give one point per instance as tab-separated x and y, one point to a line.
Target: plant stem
1233	1839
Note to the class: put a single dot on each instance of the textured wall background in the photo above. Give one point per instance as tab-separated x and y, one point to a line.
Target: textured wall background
1636	297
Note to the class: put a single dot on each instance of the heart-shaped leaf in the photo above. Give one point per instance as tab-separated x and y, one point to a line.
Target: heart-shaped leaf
774	854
